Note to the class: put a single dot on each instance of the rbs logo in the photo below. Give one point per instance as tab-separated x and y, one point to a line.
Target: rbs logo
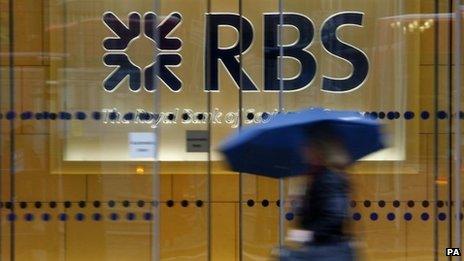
124	66
169	47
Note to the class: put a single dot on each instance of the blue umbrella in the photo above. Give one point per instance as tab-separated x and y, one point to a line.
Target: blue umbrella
274	149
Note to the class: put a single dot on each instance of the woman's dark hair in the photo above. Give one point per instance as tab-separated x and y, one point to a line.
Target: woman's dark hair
326	141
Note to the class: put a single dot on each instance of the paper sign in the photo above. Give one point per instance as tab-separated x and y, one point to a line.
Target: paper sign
142	145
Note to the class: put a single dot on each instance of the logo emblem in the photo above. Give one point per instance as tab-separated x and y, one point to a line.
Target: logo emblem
165	57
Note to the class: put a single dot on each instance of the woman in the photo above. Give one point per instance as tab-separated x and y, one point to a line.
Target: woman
325	206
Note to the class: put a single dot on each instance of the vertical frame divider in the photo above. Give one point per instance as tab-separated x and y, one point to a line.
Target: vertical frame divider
457	121
281	88
156	181
12	129
209	168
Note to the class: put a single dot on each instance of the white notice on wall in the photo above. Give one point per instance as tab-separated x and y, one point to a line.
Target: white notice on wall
142	145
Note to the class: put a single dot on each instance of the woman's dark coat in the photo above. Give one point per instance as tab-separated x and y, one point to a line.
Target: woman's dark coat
324	212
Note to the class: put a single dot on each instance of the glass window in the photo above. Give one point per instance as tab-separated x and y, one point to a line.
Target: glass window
112	113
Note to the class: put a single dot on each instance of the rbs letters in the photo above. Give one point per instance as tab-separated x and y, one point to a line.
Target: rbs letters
168	55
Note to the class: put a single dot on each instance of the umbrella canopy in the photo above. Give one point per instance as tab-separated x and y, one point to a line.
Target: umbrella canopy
274	149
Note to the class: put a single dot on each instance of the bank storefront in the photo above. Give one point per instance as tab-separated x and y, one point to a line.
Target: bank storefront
112	112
